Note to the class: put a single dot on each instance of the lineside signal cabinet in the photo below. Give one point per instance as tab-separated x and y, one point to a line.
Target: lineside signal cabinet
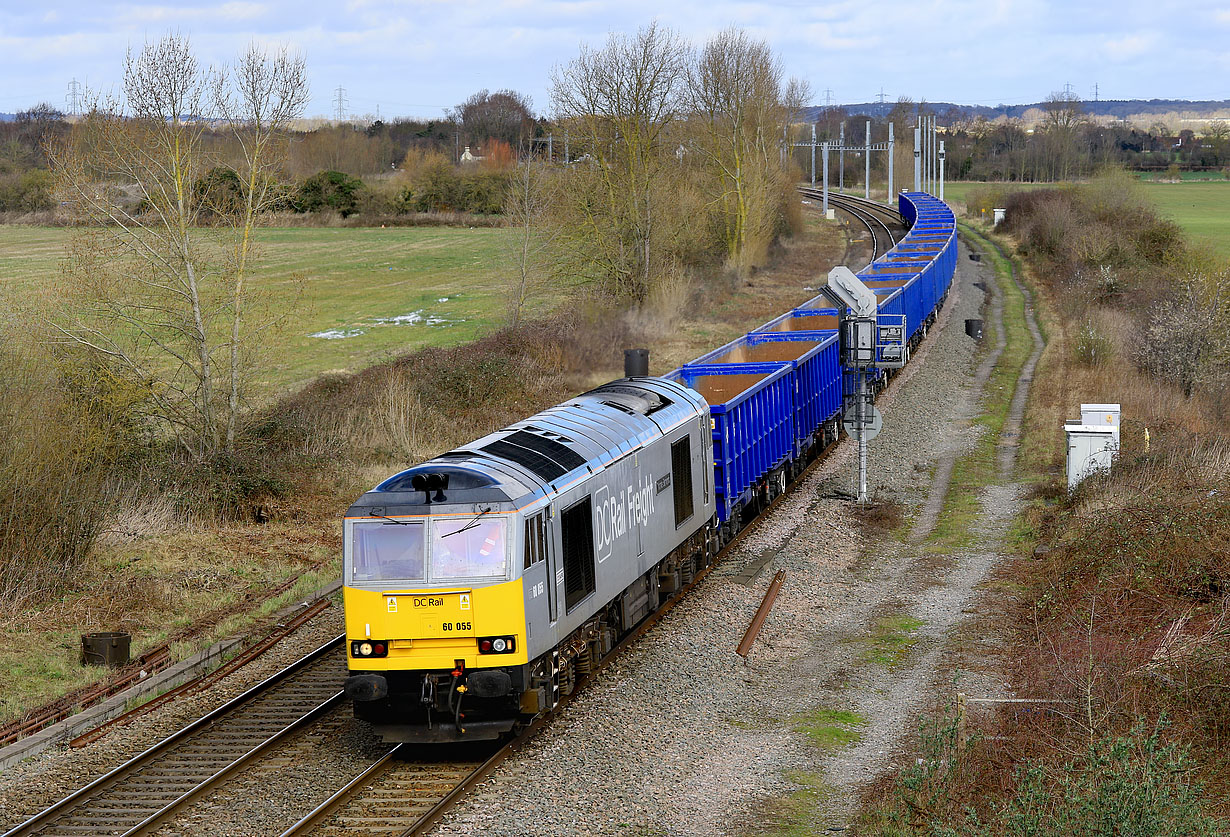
1105	415
1091	448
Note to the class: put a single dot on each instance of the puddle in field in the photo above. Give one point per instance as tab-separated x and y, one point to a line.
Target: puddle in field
338	333
419	317
414	318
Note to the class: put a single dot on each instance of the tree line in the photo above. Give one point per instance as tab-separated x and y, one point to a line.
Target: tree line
676	163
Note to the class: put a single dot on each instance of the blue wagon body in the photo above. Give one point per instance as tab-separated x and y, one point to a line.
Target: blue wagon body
751	406
765	412
815	373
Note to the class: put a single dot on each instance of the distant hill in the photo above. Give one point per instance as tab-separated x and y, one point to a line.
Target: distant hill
8	117
1126	109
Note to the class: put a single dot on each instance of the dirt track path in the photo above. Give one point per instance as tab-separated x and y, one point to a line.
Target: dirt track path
882	645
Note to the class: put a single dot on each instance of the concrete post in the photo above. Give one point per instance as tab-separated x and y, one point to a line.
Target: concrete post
824	158
918	158
867	163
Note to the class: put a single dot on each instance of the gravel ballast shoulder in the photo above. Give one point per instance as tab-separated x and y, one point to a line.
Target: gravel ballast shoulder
682	736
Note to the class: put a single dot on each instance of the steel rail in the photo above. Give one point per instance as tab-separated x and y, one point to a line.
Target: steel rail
151	661
871	210
196	684
867	212
762	613
78	803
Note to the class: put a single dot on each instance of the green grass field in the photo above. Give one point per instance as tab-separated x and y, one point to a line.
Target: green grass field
1202	209
446	285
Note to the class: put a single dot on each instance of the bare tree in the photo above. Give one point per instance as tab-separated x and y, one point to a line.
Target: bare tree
503	115
525	212
737	96
148	290
1186	339
1065	116
257	103
620	102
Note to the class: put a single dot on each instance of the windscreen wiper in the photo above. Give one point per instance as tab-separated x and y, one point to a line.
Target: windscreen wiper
469	525
391	520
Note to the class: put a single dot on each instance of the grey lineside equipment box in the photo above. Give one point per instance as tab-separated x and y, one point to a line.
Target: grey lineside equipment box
1091	448
1104	415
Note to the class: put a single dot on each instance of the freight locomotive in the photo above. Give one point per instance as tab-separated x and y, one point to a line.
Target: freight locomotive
480	586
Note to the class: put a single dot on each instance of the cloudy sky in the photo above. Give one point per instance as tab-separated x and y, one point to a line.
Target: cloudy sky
421	57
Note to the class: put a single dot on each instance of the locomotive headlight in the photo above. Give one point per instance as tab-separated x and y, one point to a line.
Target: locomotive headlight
365	649
499	644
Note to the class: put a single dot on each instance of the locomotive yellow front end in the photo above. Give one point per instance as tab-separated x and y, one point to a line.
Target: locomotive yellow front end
435	611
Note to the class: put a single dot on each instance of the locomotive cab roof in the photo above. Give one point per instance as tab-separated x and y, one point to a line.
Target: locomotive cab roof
541	454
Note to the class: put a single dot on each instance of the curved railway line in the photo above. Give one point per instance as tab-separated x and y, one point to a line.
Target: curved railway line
880	220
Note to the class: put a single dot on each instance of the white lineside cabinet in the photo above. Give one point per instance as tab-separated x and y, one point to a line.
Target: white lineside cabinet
1104	415
1091	448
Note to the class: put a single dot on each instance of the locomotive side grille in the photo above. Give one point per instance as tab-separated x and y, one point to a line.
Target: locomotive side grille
681	476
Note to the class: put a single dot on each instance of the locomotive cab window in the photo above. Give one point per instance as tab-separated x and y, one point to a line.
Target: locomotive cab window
681	478
535	540
468	548
577	525
386	551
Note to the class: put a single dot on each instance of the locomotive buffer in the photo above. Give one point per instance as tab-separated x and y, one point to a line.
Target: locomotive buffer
868	341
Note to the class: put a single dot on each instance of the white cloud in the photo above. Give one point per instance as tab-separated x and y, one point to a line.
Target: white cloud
1129	47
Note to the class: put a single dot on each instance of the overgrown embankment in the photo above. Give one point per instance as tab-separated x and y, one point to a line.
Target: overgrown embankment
1117	610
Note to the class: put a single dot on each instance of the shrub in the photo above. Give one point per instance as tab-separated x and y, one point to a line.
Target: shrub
435	187
220	190
55	464
1092	348
1129	785
26	191
483	191
333	190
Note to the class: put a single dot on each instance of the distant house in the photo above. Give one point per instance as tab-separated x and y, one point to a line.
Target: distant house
467	157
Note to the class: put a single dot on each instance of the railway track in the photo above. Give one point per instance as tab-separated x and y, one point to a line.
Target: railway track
877	218
147	791
401	796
